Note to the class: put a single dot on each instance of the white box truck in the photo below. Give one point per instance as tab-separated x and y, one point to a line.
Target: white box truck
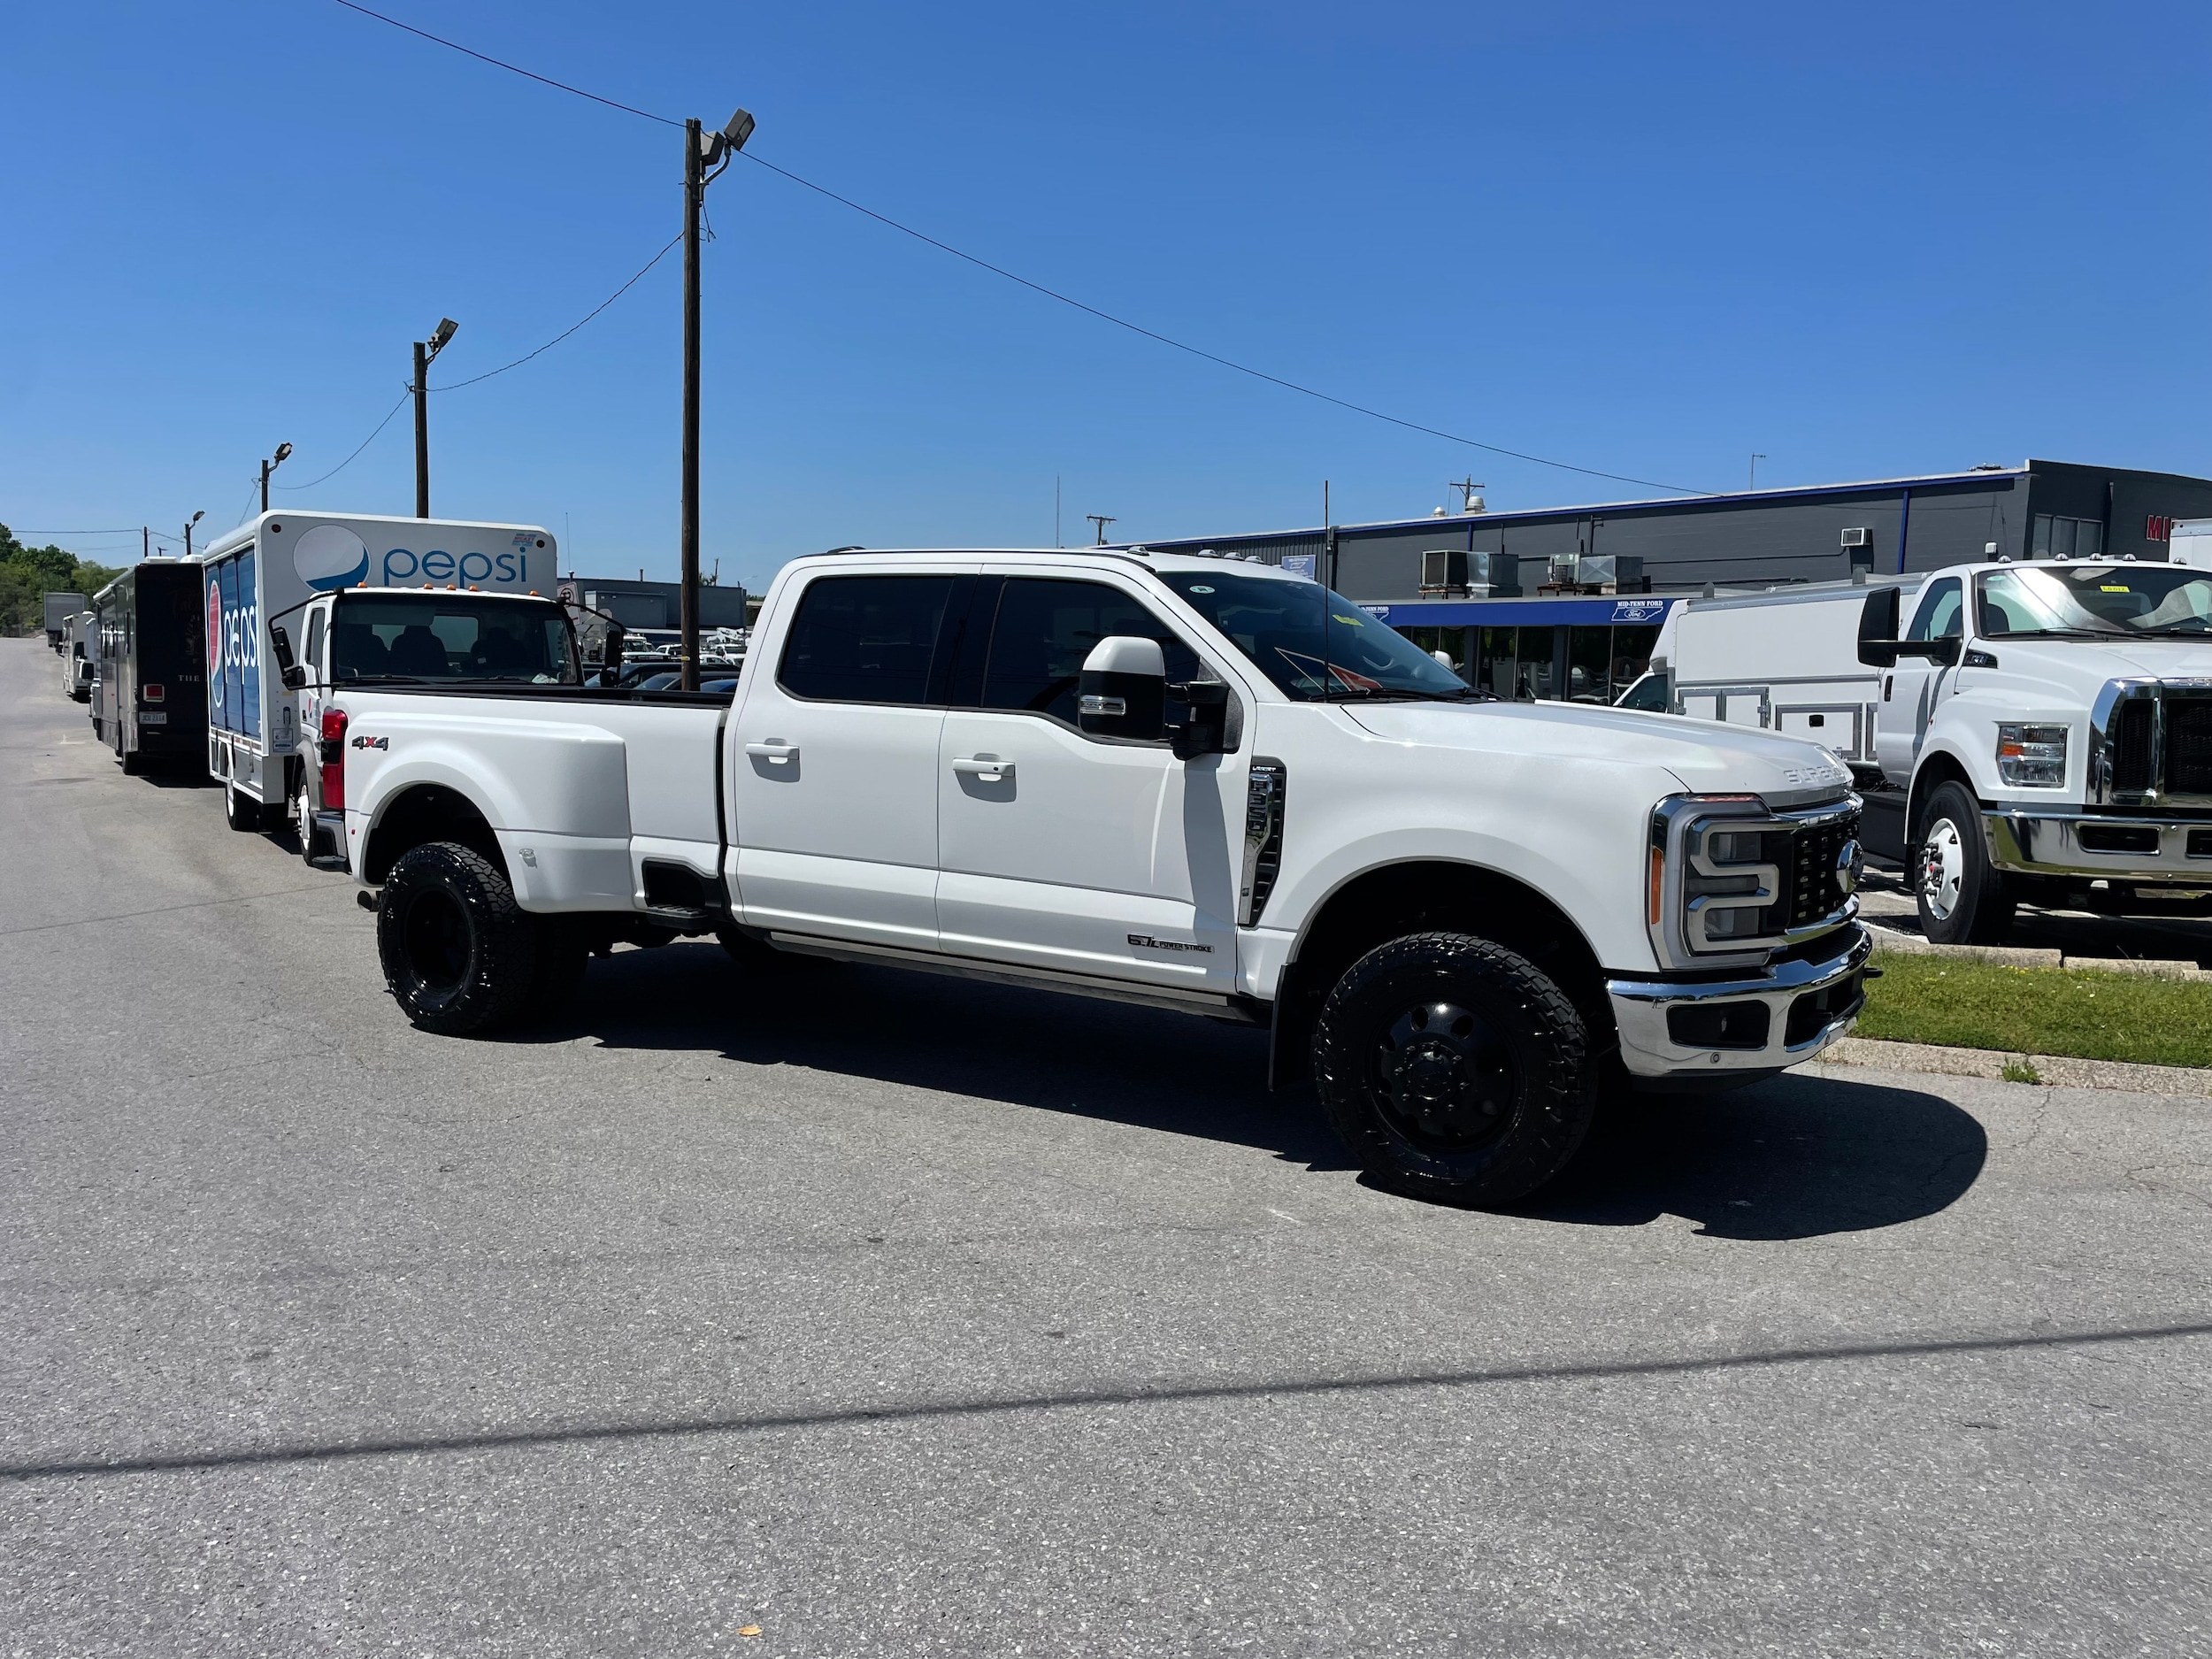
269	569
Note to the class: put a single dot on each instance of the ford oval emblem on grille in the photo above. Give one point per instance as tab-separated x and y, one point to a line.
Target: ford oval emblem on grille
1847	868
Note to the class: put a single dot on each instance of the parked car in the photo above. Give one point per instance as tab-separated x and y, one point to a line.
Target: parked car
1171	781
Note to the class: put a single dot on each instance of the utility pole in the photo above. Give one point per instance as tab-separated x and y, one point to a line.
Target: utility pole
1466	486
1101	520
702	150
145	542
189	522
1056	510
426	354
694	193
283	451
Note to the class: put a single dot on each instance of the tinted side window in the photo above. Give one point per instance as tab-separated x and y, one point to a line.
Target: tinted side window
1044	629
1939	617
315	638
864	639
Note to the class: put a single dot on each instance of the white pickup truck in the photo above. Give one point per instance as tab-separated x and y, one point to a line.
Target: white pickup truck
1185	781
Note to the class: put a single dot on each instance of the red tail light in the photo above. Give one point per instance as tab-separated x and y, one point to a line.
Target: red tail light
153	694
334	759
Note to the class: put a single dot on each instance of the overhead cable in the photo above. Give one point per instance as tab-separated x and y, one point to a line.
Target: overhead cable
1119	322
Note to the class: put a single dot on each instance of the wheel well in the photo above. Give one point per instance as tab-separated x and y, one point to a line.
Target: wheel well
427	813
1931	775
1421	897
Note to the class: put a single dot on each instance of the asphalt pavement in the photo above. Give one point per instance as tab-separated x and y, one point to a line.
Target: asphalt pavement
839	1311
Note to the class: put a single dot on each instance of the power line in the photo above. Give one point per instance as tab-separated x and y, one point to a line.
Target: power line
565	333
1119	322
1257	374
363	444
501	63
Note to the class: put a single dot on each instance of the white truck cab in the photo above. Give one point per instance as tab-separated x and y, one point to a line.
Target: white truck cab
2051	725
1185	781
2037	731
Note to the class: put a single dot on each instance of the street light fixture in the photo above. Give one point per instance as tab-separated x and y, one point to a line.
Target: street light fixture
426	354
189	522
283	453
702	150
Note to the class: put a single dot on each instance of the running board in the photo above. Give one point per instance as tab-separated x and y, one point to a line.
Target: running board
1241	1010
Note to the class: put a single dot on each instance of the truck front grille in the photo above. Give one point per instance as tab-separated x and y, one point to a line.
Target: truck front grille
2189	746
2133	769
1812	879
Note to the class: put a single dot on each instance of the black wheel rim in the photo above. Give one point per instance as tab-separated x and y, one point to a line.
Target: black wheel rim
1444	1079
435	939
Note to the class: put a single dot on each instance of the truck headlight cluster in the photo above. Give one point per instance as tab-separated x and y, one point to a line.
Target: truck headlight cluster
1727	884
2032	757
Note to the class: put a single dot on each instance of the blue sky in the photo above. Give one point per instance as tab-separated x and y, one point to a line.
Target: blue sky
1864	240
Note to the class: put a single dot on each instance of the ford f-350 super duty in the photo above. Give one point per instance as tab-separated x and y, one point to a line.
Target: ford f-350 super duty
1185	781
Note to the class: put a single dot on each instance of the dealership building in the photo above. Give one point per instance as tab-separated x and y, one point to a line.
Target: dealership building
1566	601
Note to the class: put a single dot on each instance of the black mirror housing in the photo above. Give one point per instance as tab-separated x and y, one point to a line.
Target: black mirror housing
611	655
1206	731
1877	628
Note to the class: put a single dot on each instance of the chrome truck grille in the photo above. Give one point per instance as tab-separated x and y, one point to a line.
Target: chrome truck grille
2151	744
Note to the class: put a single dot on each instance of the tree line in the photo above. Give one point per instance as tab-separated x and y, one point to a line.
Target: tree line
29	573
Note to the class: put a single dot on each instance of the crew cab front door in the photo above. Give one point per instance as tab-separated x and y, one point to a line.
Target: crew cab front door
1096	856
834	763
1912	689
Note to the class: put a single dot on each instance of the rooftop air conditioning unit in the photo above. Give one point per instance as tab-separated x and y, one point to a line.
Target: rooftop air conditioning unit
1444	571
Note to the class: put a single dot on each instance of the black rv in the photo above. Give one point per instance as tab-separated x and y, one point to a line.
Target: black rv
149	645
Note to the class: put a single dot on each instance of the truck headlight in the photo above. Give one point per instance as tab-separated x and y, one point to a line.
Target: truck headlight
2032	757
1729	880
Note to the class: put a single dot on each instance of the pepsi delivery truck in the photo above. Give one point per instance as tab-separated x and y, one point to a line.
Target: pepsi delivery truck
266	571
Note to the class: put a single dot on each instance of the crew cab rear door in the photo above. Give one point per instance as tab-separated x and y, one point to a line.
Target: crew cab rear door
834	755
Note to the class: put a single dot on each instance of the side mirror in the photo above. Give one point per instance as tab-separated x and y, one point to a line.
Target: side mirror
1878	629
1122	690
610	656
288	671
1206	731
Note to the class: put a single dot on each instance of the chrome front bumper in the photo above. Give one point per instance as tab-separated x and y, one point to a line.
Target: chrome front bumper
2050	844
1761	1011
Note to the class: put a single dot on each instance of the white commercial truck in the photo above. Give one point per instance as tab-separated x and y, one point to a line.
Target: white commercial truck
1177	780
2037	731
266	571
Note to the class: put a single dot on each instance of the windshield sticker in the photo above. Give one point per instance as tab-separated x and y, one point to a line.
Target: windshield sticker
2111	588
1198	587
1349	622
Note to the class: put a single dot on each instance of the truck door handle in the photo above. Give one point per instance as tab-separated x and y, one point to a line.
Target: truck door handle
984	766
775	749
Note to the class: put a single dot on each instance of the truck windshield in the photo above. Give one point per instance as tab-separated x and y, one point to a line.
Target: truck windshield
2101	600
452	636
1316	645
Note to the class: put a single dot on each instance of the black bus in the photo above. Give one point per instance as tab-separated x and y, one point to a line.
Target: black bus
150	647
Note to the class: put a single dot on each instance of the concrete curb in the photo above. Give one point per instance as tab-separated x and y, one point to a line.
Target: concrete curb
2056	1070
1888	939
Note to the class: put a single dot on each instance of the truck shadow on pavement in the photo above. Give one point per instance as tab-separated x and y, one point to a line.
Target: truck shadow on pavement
1793	1157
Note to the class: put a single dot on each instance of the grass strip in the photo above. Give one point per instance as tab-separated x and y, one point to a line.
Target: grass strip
2075	1012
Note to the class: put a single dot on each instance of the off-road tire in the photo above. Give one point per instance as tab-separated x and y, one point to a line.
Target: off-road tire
1529	1125
1961	899
459	954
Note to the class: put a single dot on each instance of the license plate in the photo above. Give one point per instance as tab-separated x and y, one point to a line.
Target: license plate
153	719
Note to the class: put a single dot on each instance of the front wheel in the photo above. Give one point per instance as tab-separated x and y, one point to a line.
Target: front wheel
1455	1069
1962	900
458	952
240	810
